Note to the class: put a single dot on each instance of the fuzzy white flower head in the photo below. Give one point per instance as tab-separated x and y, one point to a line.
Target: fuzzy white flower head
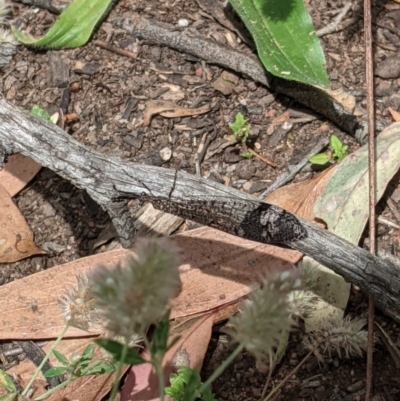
267	317
341	337
78	305
136	294
6	36
4	9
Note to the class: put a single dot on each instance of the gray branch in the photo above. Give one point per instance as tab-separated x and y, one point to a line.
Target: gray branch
107	179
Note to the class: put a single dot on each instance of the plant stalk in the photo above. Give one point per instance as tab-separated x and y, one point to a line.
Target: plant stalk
218	372
45	359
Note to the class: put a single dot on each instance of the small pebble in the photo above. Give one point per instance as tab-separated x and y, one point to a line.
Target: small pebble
183	22
356	386
75	87
166	154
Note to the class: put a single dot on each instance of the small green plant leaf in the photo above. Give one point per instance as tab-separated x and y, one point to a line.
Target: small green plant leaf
115	349
160	337
240	128
87	355
9	397
247	155
207	395
320	158
177	388
185	386
285	39
56	371
72	28
6	382
38	111
339	150
60	357
193	383
98	368
335	143
238	124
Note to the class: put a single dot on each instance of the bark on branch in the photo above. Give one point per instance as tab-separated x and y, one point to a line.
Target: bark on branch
106	178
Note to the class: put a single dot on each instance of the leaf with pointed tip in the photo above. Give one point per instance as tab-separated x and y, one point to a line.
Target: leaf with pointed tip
285	39
72	28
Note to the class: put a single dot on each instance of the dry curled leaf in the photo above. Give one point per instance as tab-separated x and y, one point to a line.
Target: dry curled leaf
17	172
170	110
218	269
395	114
16	237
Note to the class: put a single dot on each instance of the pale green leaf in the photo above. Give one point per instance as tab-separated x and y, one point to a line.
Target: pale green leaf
320	158
335	143
343	204
6	382
285	38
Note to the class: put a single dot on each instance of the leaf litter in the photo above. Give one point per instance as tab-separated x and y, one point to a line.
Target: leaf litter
214	277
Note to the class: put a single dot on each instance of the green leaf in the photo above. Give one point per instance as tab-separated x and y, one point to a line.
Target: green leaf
320	158
55	371
38	111
98	368
176	390
238	124
6	382
60	357
207	395
247	155
87	355
193	384
72	28
160	337
115	349
343	204
9	397
335	143
285	39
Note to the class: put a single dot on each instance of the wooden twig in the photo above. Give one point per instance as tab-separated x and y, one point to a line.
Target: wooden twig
369	79
214	53
108	178
333	26
293	170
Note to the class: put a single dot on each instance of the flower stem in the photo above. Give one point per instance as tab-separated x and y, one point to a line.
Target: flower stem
157	365
115	386
274	390
47	356
218	372
54	389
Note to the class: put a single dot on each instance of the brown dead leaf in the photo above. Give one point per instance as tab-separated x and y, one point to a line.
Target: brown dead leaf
226	83
220	268
217	270
170	110
299	198
281	118
30	305
277	121
142	384
16	237
395	114
17	172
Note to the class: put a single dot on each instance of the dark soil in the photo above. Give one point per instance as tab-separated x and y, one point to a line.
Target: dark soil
108	93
